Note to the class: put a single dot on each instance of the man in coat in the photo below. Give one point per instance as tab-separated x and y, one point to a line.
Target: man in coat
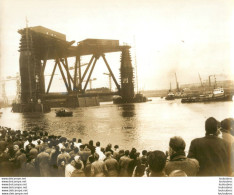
112	165
178	160
124	162
43	163
211	152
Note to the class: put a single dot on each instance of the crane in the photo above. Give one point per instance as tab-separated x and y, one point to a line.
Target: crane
72	67
90	81
3	82
200	80
108	74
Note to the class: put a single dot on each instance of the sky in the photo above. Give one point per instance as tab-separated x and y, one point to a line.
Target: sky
185	37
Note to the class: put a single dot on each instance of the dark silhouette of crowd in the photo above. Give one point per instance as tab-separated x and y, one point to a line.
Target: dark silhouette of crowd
34	153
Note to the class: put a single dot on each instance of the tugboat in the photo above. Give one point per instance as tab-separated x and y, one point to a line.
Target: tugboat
170	95
218	94
63	113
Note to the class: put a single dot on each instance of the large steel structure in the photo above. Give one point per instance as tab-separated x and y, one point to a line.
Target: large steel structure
39	44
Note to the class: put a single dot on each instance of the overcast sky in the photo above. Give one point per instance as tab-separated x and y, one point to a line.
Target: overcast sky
182	36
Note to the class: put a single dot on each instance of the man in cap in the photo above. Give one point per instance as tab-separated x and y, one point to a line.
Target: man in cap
211	152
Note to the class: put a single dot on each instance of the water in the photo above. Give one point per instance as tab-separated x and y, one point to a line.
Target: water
143	126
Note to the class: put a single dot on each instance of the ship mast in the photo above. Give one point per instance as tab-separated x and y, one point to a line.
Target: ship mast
135	65
177	84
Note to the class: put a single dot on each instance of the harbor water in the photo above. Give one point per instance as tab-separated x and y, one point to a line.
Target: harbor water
142	125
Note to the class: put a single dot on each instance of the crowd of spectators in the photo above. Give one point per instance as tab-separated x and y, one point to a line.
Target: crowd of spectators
34	153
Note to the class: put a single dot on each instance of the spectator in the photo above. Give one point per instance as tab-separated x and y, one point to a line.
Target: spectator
211	152
178	160
78	172
112	165
98	168
157	162
124	162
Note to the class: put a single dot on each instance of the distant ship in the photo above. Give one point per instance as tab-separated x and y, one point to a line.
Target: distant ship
170	95
218	94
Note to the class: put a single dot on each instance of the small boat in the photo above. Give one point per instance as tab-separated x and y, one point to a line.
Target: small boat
63	113
170	96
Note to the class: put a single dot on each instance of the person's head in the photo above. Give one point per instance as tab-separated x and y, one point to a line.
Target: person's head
6	150
177	173
22	151
79	140
30	139
109	146
63	149
121	152
15	148
103	150
98	144
211	126
108	154
66	145
82	147
126	153
78	165
157	161
91	142
73	139
72	161
226	125
144	152
116	147
91	159
144	160
177	144
57	148
33	146
76	150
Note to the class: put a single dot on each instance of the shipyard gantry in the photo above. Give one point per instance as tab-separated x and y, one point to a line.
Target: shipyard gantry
38	45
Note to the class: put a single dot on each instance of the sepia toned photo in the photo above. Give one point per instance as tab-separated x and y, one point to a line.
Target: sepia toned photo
116	88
